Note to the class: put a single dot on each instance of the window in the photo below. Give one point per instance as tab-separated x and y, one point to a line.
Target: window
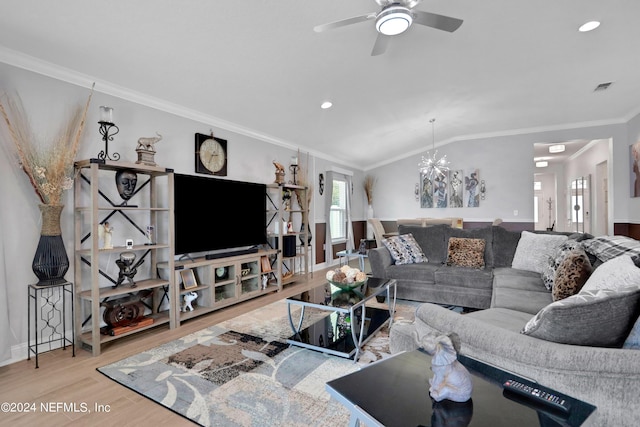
338	213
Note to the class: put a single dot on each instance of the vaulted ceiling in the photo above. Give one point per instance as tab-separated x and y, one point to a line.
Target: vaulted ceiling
258	67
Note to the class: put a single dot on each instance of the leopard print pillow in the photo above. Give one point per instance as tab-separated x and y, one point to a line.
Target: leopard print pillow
571	274
464	252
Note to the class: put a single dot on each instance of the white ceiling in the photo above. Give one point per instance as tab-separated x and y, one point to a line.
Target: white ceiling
258	65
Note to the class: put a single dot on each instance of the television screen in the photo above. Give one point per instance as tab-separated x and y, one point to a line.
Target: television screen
218	214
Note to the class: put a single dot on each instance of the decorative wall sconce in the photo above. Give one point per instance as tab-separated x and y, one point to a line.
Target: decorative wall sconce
416	192
483	190
107	129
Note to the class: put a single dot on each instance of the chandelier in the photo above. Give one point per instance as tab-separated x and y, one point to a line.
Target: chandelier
431	165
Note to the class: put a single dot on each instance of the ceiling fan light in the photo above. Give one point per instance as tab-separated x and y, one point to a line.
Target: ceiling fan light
542	164
393	20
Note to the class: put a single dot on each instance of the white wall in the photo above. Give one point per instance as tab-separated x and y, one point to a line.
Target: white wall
506	165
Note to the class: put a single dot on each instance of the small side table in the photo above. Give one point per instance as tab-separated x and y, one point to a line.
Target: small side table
50	306
352	253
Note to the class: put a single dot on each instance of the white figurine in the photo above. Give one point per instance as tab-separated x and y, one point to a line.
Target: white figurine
265	280
188	299
105	232
451	380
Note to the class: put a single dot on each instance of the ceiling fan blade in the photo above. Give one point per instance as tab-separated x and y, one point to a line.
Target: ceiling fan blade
440	22
381	45
343	22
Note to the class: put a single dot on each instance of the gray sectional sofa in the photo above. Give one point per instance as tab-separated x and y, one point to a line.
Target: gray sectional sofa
572	345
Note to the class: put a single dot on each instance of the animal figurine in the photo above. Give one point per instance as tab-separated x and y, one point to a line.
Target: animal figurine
451	380
188	300
265	281
279	172
147	143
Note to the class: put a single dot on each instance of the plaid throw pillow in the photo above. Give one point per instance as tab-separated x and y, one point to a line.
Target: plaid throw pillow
404	249
609	247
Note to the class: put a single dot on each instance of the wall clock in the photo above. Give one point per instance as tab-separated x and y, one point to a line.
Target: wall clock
211	155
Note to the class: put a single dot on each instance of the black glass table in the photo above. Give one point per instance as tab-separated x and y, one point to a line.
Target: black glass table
351	321
395	392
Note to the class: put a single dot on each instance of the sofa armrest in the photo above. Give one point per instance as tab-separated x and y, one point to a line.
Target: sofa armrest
380	259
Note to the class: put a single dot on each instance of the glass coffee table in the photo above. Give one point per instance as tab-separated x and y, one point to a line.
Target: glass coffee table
351	321
395	392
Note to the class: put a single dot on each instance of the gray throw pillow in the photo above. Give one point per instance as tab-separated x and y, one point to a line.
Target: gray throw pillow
616	273
533	250
404	249
601	318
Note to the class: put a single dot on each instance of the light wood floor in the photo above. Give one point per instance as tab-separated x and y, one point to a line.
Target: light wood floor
62	379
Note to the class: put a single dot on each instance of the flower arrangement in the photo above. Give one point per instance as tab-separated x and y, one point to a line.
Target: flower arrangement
48	167
369	183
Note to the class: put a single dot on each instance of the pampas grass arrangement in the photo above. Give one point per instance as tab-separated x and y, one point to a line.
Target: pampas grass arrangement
49	166
369	183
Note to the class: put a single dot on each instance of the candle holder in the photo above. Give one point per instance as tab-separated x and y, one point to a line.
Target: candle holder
294	170
107	129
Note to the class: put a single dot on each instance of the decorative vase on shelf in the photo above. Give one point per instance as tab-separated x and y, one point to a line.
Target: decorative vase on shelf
50	262
309	236
369	227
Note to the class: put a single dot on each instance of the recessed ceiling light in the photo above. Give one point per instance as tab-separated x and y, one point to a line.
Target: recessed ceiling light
589	26
543	164
558	148
326	104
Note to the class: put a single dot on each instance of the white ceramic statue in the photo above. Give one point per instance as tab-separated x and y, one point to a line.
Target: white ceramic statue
451	380
105	232
188	300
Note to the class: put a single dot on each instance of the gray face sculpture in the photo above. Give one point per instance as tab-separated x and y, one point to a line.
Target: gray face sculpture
126	181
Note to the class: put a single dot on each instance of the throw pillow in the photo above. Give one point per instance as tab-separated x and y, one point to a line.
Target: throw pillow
572	274
404	249
534	249
616	273
609	247
633	340
465	252
549	273
599	318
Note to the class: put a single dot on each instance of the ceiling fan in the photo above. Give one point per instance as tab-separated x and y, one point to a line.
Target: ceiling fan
395	17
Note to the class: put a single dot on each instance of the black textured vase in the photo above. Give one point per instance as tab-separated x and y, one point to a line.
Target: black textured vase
309	236
50	262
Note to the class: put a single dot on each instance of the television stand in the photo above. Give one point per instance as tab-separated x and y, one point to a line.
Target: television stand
231	253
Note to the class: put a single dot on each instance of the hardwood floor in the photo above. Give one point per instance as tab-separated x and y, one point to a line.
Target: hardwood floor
61	379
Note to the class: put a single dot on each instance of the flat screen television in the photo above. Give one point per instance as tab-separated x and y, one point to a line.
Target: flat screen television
217	215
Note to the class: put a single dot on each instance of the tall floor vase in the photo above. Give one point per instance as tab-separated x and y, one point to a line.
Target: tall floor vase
369	226
50	262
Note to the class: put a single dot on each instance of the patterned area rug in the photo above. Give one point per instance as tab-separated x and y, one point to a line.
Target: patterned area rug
242	372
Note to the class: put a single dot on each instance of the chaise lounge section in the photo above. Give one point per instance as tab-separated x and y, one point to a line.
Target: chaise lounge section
573	344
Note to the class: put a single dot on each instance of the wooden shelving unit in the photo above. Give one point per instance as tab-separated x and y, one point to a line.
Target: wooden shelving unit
221	282
288	267
93	284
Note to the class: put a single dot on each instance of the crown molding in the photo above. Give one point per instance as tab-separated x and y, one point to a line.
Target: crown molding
54	71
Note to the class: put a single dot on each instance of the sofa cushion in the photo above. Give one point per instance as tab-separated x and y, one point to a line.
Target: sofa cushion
465	252
431	240
424	272
464	277
609	247
504	245
601	318
404	249
549	273
616	273
533	250
572	274
485	233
